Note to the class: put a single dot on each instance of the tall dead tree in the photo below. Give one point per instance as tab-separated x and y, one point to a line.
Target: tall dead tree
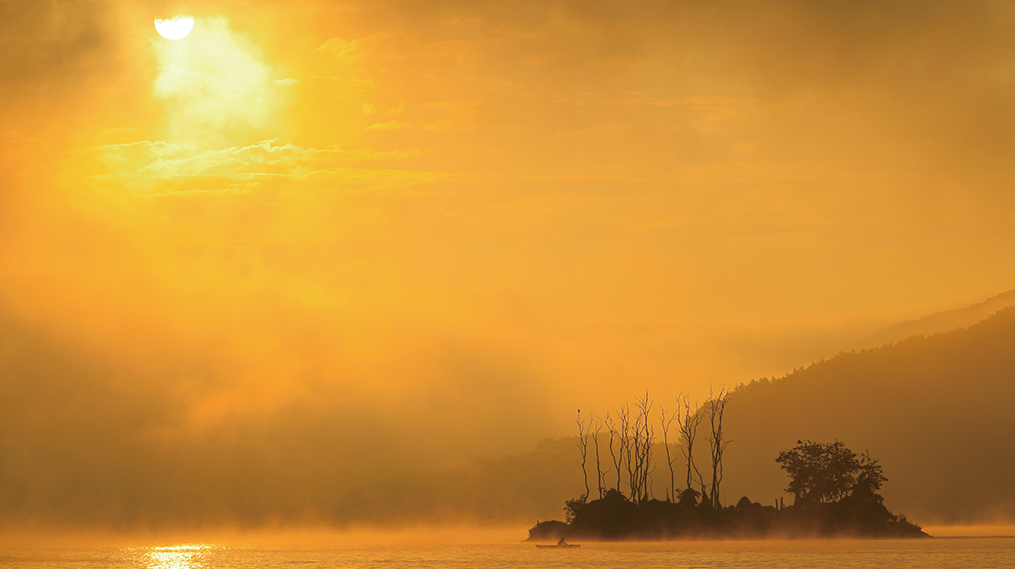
627	446
583	446
717	405
644	437
687	424
636	457
616	448
666	421
600	476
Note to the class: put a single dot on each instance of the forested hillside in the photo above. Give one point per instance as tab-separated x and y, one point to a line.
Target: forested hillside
937	410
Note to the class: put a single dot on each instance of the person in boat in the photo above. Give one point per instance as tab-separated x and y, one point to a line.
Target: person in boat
562	542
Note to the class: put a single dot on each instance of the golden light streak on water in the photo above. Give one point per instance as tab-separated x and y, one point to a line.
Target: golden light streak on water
184	556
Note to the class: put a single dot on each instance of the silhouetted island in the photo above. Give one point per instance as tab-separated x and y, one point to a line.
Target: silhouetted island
835	495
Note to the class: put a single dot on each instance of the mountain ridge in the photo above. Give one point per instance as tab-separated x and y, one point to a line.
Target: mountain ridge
935	408
937	322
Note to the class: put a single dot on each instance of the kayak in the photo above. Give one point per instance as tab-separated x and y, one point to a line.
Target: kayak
566	545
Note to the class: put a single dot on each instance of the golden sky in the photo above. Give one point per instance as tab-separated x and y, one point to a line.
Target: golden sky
459	221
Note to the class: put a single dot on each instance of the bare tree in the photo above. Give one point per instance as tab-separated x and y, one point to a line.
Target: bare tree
717	405
665	422
600	476
687	424
627	449
632	439
644	437
636	456
618	454
583	446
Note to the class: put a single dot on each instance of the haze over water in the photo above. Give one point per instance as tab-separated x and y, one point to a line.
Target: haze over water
957	553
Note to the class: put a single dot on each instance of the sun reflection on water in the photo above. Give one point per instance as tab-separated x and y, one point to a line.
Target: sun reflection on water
184	556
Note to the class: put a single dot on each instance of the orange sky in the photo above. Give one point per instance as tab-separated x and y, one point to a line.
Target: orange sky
470	218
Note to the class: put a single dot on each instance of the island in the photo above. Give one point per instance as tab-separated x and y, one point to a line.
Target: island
835	495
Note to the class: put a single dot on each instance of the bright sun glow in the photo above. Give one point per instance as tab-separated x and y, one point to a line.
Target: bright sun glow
176	28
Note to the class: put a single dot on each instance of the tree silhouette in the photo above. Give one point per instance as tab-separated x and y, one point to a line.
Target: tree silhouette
687	424
600	475
829	472
583	446
616	453
717	440
868	480
644	438
665	422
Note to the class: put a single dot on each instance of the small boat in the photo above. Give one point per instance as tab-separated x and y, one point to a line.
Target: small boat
558	546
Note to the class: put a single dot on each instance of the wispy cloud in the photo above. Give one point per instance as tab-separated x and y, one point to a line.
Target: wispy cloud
354	50
390	125
156	165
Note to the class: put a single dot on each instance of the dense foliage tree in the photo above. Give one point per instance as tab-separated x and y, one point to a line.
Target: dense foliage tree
829	472
868	480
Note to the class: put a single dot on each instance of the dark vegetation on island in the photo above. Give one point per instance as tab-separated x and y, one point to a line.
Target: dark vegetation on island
835	490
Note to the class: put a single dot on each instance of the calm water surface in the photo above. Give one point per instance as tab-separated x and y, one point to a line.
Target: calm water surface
980	553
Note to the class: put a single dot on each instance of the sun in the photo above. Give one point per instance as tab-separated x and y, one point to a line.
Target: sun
176	28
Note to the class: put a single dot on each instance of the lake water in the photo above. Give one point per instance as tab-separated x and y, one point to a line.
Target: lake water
979	553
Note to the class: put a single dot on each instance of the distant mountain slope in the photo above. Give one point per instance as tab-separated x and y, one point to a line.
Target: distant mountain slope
940	321
937	411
